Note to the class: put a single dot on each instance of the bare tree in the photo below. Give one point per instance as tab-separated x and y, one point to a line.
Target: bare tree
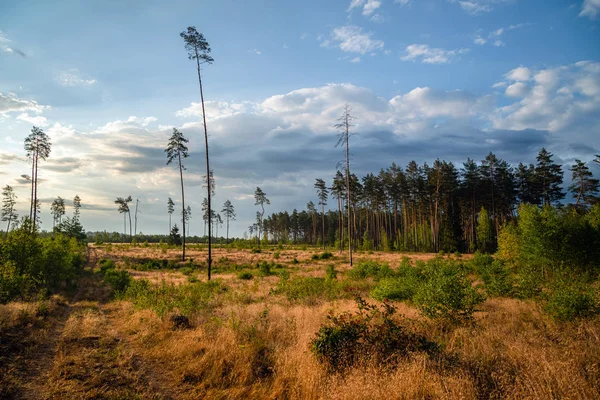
37	146
198	49
176	149
345	123
9	199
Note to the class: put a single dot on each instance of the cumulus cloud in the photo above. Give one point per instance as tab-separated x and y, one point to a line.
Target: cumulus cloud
429	55
9	102
37	120
554	99
590	8
352	39
281	143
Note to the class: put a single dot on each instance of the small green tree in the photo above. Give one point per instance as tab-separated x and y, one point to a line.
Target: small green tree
170	210
76	207
9	199
485	236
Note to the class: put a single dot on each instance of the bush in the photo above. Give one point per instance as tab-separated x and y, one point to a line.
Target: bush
394	289
307	287
105	265
245	275
326	255
497	279
446	292
570	301
372	269
119	281
256	251
330	272
369	335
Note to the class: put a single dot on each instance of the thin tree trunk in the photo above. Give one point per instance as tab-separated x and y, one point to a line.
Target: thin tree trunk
183	208
348	190
35	193
207	166
227	238
323	225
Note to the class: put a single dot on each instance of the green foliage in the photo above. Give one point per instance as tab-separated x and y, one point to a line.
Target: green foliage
119	281
29	262
446	292
571	301
246	275
485	236
165	298
256	251
330	272
369	335
365	269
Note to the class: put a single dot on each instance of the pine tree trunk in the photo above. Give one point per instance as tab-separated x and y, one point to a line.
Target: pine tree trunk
182	208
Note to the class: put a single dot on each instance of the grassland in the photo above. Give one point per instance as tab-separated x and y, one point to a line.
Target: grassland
248	334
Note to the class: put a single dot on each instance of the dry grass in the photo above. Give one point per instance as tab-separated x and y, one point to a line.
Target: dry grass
256	345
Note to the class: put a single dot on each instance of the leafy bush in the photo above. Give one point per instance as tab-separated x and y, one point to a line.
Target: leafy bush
370	334
245	275
119	281
106	265
372	269
498	280
307	287
446	292
570	301
256	251
326	255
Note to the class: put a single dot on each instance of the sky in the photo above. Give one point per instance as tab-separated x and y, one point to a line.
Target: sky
109	80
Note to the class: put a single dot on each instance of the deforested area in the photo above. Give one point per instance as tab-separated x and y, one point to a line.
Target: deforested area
329	200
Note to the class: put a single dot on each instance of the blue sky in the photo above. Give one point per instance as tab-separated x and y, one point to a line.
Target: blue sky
427	78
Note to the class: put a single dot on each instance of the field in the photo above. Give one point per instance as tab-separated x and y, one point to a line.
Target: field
169	334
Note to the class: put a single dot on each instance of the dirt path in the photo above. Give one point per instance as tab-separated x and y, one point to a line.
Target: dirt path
79	353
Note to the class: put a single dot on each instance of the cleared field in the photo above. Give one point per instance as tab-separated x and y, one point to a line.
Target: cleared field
250	337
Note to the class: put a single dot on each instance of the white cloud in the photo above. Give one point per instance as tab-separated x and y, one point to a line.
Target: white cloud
499	43
497	32
590	8
402	2
37	120
430	55
474	8
9	102
352	39
73	78
517	89
256	51
355	60
480	41
556	99
518	74
370	7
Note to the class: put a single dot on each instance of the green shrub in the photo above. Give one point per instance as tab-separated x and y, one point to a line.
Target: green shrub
245	275
330	272
365	269
394	289
307	287
314	257
187	270
256	251
118	280
105	265
570	301
276	255
325	255
369	335
446	292
497	279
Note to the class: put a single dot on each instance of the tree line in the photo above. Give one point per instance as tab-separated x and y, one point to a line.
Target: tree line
431	208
